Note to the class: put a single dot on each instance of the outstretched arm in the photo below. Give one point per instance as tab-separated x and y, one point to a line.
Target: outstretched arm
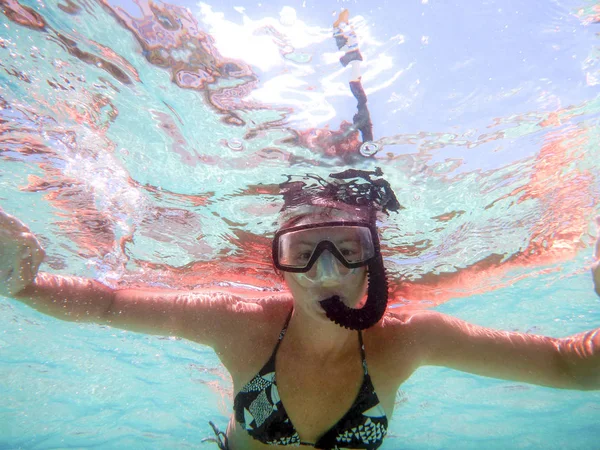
205	317
569	363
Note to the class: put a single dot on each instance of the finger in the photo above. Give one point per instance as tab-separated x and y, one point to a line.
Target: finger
31	241
33	251
26	253
38	257
27	272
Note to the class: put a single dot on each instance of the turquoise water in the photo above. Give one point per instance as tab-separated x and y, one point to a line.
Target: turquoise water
140	157
83	386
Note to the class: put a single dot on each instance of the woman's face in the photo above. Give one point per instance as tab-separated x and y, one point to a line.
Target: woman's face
328	276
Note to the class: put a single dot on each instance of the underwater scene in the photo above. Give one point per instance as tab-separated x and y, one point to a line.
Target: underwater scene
144	144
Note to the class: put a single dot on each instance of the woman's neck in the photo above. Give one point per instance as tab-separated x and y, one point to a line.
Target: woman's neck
322	339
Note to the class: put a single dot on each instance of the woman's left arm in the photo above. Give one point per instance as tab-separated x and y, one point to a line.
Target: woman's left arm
568	363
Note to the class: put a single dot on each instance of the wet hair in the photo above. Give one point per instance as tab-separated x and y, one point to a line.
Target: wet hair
352	190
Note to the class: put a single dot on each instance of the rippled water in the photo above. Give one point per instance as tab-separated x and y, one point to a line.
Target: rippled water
144	142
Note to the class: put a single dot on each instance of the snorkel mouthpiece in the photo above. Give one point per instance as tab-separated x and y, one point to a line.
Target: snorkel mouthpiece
375	306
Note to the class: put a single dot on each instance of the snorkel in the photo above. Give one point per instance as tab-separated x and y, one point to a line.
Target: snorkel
376	195
377	295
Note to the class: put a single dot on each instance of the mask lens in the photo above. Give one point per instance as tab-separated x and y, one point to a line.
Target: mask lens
296	247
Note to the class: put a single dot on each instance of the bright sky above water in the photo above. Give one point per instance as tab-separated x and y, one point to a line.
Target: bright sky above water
429	66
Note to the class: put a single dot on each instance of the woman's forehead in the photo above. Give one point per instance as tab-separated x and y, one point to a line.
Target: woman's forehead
326	216
334	234
320	214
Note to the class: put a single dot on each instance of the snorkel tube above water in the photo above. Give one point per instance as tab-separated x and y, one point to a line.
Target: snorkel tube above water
374	195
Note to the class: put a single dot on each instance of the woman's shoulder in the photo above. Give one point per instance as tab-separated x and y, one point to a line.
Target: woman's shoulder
409	317
404	324
274	309
414	332
394	346
262	308
253	324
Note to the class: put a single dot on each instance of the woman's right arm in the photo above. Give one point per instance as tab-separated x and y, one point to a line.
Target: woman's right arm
206	317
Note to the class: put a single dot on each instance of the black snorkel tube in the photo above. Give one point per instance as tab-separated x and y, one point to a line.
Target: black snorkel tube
377	295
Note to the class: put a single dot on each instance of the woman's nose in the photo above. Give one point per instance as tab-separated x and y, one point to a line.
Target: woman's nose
328	272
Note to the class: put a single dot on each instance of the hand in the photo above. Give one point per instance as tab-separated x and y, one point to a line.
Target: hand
20	255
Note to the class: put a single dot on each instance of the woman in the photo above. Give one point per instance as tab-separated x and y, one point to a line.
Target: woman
299	377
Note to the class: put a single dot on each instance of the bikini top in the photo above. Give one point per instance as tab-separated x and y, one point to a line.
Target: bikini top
260	411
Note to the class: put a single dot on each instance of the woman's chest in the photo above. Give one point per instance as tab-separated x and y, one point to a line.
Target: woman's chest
316	395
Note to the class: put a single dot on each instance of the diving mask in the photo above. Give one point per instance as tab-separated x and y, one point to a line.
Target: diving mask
327	271
297	249
317	252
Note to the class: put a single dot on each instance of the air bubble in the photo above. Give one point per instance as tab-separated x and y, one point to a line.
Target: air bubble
369	148
235	144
